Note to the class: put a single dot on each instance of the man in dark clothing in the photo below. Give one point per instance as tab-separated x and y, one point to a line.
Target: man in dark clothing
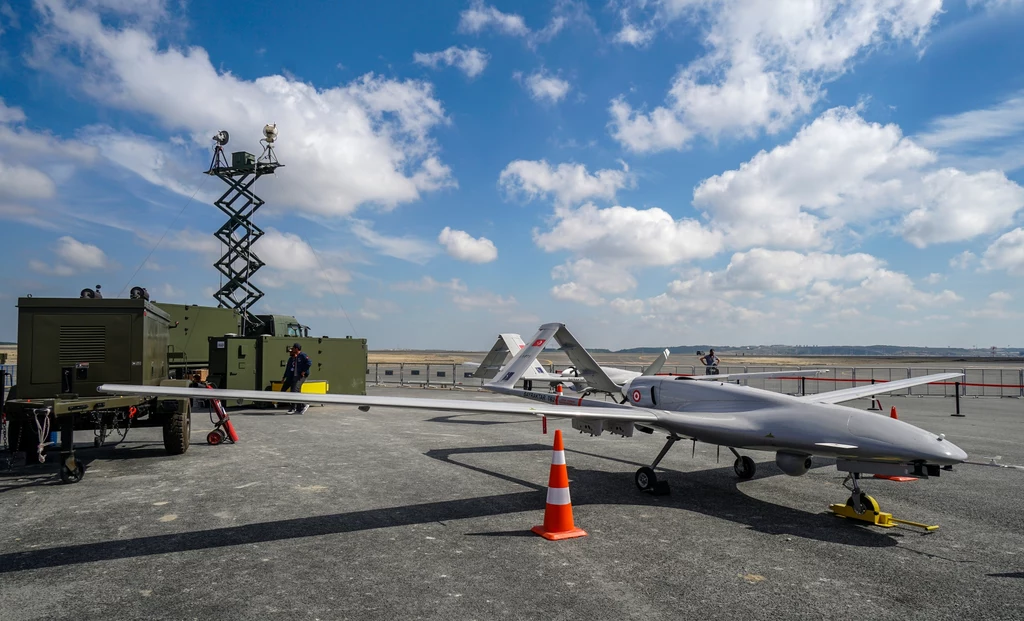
295	374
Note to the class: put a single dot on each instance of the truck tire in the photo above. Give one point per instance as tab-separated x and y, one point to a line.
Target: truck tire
178	429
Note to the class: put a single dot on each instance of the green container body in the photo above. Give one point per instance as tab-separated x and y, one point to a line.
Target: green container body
233	362
339	361
247	363
190	328
96	341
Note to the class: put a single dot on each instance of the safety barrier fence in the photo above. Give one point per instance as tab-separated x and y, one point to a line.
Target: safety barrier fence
976	381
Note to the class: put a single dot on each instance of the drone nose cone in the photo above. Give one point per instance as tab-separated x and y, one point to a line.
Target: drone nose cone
944	452
955	452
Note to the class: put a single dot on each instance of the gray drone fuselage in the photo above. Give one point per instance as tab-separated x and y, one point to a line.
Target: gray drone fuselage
743	417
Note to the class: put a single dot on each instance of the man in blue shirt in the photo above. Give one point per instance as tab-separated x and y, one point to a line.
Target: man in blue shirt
295	373
710	363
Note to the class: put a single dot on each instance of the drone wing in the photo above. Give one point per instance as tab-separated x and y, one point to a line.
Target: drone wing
849	394
568	409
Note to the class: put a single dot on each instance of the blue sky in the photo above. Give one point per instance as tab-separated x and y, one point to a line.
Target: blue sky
650	172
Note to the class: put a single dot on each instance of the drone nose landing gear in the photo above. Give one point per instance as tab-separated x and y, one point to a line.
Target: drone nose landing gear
860	506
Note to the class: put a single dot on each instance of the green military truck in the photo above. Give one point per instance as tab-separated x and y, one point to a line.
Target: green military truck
67	347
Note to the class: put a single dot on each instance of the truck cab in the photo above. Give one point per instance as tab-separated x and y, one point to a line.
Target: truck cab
280	325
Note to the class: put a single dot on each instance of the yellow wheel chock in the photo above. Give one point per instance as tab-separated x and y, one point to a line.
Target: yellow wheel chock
873	514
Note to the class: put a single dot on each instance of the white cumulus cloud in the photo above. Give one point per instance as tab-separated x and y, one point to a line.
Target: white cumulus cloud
630	34
73	257
1006	253
470	61
479	17
292	261
464	247
544	87
367	141
568	183
765	63
628	236
841	170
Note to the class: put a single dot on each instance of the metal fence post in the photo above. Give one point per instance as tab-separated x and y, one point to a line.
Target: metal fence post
958	400
455	374
803	386
1020	382
401	374
428	375
376	373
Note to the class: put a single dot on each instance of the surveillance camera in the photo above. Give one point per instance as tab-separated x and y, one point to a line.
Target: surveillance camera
270	132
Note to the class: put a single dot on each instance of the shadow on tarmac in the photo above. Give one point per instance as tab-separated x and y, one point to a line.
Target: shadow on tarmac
710	492
1012	574
35	474
715	493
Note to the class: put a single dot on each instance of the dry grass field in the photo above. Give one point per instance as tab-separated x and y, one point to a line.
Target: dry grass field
11	351
632	360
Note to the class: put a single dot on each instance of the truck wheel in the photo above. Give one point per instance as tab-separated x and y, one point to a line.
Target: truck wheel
178	429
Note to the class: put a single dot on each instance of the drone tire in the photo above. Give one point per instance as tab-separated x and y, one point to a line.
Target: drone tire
745	468
646	479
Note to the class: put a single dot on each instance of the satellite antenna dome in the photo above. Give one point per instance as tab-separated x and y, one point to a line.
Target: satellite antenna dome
270	132
221	137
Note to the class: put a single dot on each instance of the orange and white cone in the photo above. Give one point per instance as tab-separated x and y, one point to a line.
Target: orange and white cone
558	523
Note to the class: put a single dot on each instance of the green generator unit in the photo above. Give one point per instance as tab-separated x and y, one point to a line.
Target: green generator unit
190	327
254	363
66	349
71	346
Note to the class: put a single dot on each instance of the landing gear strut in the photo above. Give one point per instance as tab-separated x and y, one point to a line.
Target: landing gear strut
860	501
647	480
744	466
863	508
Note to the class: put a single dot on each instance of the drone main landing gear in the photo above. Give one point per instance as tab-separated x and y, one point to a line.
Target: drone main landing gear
860	506
647	480
743	466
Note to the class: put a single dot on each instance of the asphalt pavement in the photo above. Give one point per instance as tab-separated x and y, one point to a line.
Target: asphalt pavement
388	514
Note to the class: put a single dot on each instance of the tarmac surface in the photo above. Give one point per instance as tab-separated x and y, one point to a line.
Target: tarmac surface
341	514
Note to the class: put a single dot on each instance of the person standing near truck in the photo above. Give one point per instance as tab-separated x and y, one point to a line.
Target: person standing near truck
295	374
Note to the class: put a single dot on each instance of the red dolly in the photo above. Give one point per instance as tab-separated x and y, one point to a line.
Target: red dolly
223	429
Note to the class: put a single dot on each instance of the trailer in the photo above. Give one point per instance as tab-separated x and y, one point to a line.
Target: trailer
68	347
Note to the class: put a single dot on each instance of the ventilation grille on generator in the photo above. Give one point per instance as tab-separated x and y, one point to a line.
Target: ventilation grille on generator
82	344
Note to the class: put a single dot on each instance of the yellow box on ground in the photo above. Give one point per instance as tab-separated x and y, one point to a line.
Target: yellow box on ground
313	387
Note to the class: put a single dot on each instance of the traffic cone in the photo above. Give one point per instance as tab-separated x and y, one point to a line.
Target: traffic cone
558	388
558	522
892	413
